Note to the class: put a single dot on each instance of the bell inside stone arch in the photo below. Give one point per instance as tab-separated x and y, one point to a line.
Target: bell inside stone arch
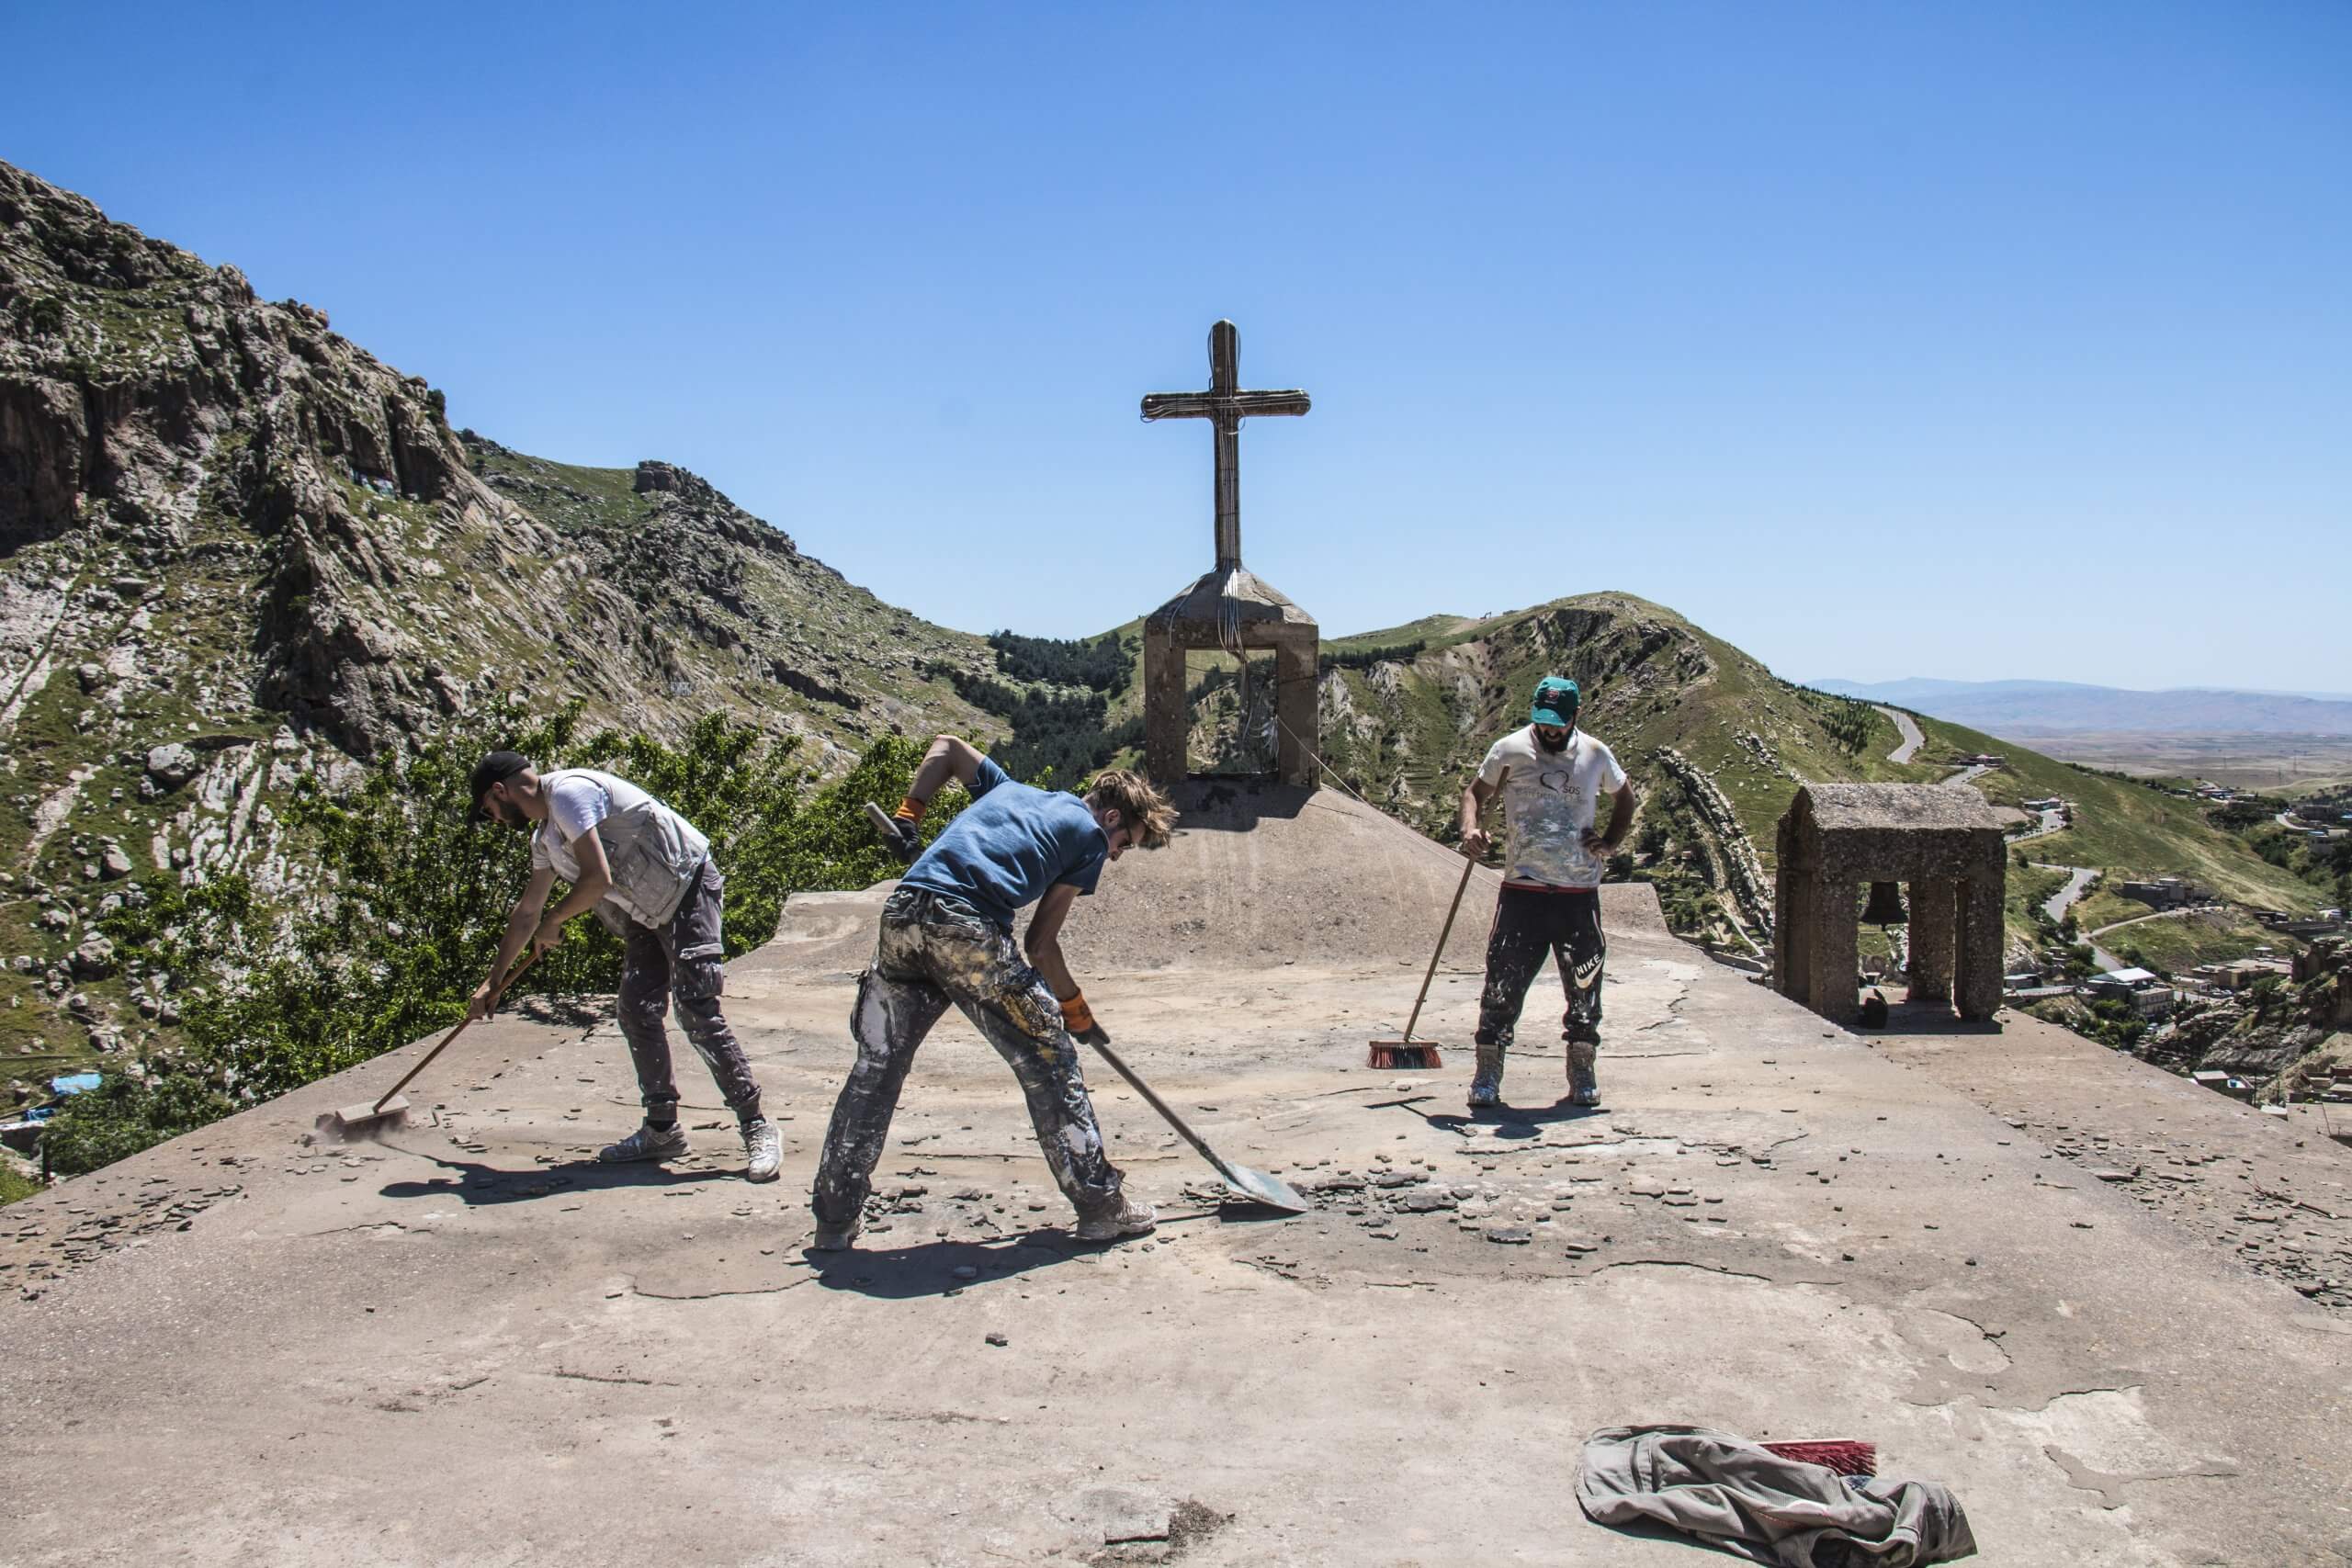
1885	906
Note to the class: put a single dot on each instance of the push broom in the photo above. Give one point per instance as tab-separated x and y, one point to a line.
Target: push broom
365	1120
1408	1051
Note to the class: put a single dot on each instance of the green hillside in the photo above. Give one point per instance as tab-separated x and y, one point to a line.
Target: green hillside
1717	746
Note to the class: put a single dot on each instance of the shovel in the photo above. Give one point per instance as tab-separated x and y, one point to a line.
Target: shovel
365	1120
1254	1185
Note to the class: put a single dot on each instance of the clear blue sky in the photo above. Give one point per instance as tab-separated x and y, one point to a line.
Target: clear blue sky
1966	341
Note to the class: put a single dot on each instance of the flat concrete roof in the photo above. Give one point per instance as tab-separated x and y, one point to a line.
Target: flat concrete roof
470	1344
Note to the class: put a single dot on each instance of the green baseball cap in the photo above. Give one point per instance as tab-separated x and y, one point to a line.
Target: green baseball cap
1556	700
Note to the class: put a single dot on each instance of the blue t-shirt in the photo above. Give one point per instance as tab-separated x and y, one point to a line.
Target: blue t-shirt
1010	845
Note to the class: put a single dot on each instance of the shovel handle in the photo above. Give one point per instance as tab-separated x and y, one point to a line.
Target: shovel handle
1169	1116
1469	864
512	975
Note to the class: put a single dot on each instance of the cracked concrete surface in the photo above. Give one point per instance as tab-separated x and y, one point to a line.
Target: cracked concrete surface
470	1344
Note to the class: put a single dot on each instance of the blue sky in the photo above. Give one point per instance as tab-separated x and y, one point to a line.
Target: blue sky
1970	342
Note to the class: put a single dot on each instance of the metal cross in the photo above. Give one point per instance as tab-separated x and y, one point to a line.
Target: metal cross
1227	406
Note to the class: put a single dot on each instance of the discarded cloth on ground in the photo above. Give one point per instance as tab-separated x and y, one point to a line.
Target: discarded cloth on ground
1734	1494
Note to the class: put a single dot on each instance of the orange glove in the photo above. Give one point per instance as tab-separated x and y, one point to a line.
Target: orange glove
1077	1016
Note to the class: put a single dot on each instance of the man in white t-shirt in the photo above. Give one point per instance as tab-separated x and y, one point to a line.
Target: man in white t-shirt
649	877
1551	776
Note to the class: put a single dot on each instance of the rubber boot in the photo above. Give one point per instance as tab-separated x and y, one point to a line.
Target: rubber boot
1486	1083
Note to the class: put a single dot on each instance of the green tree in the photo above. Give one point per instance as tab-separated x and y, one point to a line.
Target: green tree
410	898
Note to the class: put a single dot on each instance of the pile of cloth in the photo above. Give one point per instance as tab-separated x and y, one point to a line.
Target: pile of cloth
1743	1498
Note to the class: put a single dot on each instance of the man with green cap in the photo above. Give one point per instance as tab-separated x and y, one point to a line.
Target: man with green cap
1551	776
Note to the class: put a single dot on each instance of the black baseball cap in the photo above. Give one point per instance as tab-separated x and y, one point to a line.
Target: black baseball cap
496	768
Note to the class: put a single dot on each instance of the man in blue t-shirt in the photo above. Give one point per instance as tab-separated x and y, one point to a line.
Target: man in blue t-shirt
948	936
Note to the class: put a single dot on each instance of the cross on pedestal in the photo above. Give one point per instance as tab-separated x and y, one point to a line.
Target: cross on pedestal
1227	608
1227	406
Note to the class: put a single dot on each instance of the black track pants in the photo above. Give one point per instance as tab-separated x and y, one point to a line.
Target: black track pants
1531	925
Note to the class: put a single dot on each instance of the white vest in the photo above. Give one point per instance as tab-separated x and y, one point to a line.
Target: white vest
653	851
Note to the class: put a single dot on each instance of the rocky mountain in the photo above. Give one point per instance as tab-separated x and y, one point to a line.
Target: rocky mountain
236	549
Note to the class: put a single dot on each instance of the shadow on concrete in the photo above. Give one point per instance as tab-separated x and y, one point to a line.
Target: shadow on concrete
928	1268
1234	803
1507	1121
479	1185
565	1010
1929	1018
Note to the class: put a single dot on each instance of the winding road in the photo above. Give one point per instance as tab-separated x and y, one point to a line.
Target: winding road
1912	738
2058	903
2155	915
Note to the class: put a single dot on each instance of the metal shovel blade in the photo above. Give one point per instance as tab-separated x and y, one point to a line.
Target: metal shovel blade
1254	1186
1271	1191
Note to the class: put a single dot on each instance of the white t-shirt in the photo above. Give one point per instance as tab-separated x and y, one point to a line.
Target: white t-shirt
1549	799
578	798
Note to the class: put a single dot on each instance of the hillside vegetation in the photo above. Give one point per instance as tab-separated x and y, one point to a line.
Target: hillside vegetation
241	559
1717	746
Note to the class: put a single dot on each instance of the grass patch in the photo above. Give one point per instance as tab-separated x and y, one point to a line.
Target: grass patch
2179	942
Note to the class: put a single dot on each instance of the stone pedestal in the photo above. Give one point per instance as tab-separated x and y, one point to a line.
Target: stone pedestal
1943	841
1231	610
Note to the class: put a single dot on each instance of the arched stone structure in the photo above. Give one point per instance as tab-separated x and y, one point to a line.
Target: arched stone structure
1943	840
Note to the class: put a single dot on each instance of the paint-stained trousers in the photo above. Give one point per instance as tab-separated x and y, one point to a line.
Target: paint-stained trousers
1532	925
935	950
682	961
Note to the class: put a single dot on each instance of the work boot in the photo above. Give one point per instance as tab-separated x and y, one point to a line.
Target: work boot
1130	1218
762	1150
828	1240
647	1142
1584	1075
1486	1082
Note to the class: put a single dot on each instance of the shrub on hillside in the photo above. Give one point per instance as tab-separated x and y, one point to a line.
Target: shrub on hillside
415	896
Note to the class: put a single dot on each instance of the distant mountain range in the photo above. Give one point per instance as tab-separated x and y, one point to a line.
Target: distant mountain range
2024	708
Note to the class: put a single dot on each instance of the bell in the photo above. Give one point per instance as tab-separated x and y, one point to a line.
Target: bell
1885	905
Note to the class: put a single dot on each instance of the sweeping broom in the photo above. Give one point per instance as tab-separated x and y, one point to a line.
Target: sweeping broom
365	1120
1408	1051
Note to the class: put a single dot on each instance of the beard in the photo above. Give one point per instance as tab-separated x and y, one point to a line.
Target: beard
1556	746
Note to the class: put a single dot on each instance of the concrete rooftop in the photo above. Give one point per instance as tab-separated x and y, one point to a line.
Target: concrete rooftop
468	1344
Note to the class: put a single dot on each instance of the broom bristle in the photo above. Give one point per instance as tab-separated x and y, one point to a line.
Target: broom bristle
361	1122
1847	1456
1392	1055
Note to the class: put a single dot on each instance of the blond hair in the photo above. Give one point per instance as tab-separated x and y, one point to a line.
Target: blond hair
1145	813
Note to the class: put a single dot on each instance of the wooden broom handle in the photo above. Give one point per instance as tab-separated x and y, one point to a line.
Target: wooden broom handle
512	975
1468	866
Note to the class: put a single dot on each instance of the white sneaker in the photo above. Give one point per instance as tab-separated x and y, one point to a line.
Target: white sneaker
762	1151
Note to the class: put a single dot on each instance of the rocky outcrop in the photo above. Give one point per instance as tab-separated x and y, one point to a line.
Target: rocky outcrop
2270	1031
1743	873
237	551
